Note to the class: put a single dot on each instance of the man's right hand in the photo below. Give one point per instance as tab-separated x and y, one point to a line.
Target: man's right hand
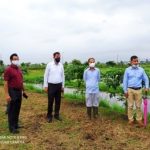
46	89
126	95
62	89
8	98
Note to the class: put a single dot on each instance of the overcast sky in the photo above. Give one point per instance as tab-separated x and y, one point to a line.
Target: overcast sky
79	29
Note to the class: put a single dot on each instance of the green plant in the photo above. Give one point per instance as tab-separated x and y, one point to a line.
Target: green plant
104	103
117	108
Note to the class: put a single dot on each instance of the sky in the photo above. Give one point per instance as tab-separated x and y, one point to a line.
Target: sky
79	29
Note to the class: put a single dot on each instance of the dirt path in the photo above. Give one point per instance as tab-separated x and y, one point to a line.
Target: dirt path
109	132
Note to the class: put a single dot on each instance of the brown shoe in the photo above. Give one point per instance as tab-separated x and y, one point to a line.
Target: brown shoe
140	123
130	122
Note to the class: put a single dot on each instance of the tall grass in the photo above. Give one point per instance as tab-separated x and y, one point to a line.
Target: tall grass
111	107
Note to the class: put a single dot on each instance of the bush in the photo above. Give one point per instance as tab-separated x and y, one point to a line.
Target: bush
117	108
103	87
104	103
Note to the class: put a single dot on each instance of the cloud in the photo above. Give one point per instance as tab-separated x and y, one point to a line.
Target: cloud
79	29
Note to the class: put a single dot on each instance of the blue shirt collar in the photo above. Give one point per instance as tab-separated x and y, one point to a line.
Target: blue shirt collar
134	68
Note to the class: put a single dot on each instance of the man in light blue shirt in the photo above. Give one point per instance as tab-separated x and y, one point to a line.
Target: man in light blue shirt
132	86
91	77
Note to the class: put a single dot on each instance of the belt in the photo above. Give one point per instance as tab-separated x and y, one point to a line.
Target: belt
135	88
54	83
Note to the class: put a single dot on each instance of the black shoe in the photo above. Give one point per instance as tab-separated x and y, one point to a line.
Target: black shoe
58	118
14	131
19	126
89	112
95	112
49	120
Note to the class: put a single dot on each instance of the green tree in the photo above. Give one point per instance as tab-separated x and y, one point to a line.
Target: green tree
111	63
76	62
74	72
113	80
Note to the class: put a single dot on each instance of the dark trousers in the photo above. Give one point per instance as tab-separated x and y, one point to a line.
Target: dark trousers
14	108
54	93
7	108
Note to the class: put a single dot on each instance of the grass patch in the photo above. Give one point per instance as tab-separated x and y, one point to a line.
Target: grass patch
64	124
117	108
103	103
111	108
77	98
34	76
32	88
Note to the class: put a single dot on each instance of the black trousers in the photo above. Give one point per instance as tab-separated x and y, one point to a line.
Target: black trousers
54	93
14	107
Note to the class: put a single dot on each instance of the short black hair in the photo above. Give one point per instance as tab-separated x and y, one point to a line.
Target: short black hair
133	57
90	59
12	55
54	54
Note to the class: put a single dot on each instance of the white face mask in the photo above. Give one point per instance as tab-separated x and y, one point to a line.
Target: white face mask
15	62
92	65
135	66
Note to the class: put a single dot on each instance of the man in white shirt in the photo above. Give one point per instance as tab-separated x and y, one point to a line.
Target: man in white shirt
54	85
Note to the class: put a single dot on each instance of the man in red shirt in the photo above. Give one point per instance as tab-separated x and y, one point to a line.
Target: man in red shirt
13	86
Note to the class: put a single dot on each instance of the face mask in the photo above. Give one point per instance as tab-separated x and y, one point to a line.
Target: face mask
135	66
92	65
57	60
15	62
